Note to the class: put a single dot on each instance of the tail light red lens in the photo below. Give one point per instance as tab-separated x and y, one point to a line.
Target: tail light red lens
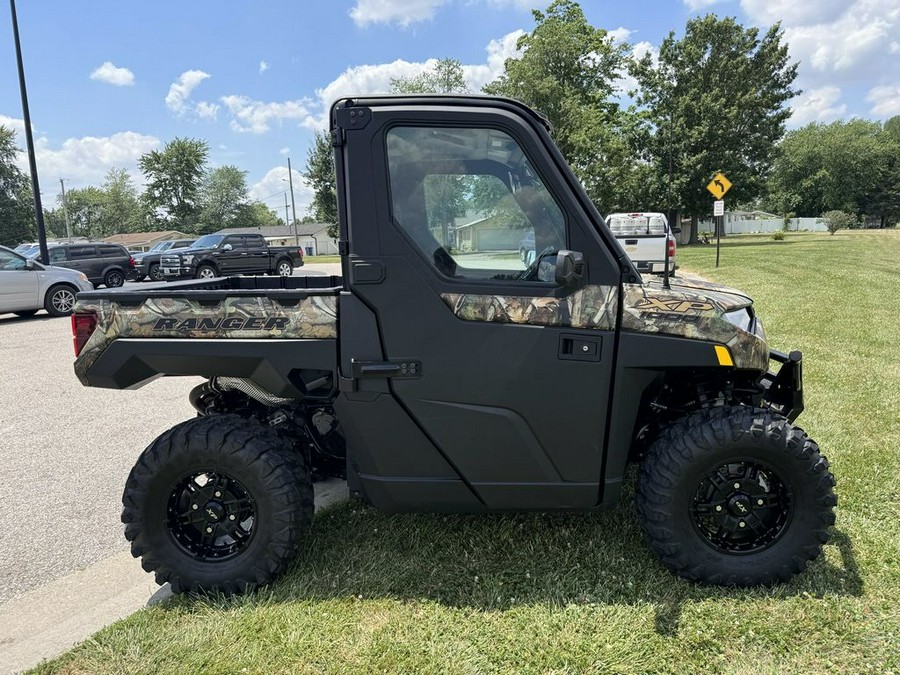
671	248
131	262
300	253
83	326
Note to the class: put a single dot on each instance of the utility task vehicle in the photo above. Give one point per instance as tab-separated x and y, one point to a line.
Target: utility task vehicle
442	380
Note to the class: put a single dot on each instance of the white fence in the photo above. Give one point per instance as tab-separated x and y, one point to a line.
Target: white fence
769	225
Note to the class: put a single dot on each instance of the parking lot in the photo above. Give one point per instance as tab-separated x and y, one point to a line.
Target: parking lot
66	450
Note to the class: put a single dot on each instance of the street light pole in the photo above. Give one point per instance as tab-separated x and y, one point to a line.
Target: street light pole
287	218
62	184
293	206
29	140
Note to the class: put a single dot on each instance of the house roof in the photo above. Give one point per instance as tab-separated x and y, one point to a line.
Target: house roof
303	229
138	238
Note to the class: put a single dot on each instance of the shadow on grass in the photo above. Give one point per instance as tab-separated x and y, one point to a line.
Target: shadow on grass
495	562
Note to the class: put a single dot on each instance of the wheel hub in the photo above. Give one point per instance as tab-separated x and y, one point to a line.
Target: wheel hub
741	507
211	516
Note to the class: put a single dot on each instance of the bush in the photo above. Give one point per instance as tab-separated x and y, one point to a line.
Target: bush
837	220
778	235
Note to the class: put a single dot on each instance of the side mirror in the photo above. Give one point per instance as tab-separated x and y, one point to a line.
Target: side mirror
29	264
569	268
676	230
227	247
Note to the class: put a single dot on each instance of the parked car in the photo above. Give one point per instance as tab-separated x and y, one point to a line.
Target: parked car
644	236
147	262
107	264
27	286
218	255
526	246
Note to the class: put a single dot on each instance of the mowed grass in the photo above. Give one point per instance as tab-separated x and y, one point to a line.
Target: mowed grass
580	593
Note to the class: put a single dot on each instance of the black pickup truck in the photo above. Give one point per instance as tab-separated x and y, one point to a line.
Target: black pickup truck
442	379
215	255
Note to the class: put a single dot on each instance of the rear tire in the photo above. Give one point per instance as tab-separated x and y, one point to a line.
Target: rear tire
713	470
60	300
217	503
284	269
114	279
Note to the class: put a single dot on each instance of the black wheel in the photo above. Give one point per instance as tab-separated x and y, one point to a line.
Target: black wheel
155	273
206	272
26	313
217	503
735	496
114	279
285	269
60	300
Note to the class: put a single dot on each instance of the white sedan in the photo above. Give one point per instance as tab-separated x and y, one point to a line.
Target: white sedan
27	286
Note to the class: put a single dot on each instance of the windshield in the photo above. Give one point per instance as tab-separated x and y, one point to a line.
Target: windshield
208	241
161	246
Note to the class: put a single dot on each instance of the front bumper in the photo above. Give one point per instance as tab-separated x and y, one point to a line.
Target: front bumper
784	389
177	272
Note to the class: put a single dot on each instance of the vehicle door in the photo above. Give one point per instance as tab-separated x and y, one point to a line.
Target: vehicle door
231	254
505	368
257	253
18	284
84	259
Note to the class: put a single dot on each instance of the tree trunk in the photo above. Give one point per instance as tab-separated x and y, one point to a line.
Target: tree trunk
694	239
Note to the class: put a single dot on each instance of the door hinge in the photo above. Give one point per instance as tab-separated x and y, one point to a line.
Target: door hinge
337	137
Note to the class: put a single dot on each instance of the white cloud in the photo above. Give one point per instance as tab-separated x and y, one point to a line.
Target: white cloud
620	34
885	100
401	12
273	186
817	105
791	12
112	74
17	125
256	116
497	52
285	151
263	67
206	110
626	82
694	5
179	93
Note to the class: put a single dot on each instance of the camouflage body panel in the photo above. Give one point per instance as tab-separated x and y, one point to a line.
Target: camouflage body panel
694	310
238	317
589	307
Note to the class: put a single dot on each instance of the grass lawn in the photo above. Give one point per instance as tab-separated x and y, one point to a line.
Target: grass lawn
309	259
580	593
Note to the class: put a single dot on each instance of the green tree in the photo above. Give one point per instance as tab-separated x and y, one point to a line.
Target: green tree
320	176
88	213
842	166
445	77
224	199
174	179
568	71
837	220
122	207
715	101
17	223
256	214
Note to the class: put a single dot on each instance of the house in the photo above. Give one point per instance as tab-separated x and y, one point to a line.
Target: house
143	241
311	237
493	233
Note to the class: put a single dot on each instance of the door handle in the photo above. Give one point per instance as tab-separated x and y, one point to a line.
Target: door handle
579	347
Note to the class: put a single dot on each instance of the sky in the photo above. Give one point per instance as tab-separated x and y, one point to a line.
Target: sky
109	80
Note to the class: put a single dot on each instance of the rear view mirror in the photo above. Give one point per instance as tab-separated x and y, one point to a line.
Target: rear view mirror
29	264
227	247
569	268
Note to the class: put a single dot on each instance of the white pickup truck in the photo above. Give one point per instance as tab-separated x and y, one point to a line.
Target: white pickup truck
644	236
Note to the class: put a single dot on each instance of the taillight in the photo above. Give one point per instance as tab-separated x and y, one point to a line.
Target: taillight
131	262
300	253
671	248
83	326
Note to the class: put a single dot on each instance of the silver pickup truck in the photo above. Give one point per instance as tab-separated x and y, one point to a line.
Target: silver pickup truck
644	236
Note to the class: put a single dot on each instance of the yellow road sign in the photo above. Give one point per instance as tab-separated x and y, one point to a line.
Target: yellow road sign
719	185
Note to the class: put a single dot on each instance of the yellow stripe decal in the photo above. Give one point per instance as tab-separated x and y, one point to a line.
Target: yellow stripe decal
724	355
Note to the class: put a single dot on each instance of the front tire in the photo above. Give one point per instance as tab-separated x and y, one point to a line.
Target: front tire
155	273
735	496
206	272
60	300
217	503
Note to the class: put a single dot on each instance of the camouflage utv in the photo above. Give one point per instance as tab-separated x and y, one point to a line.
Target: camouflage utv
441	373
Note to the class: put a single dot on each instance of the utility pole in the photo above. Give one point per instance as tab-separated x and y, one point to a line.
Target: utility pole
287	218
62	184
29	140
293	206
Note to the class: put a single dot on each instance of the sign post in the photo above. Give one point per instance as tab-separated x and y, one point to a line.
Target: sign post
718	186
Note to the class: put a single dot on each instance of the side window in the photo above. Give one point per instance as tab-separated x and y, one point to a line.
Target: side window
82	252
473	204
253	241
10	262
57	255
111	251
236	242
